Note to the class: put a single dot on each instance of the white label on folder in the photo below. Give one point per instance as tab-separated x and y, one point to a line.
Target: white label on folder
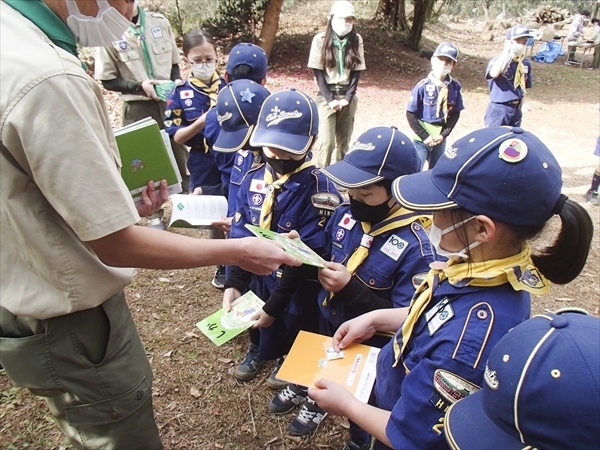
354	370
367	376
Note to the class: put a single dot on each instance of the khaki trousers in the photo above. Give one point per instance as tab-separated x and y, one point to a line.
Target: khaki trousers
335	131
93	371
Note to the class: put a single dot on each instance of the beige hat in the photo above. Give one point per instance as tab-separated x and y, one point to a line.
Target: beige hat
342	8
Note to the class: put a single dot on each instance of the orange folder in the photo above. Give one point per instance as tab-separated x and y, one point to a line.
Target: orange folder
307	361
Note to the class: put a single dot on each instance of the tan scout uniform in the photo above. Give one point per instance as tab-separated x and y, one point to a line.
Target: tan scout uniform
127	62
335	127
59	304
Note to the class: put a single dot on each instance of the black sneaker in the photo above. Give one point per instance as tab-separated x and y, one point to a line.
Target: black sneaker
352	445
273	382
288	399
249	367
591	197
308	419
220	277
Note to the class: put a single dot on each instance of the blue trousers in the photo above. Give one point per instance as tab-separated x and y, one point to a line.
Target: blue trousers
499	114
427	153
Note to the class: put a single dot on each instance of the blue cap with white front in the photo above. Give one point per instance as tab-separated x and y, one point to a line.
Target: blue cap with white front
447	49
505	173
518	31
238	106
251	55
541	389
379	153
288	121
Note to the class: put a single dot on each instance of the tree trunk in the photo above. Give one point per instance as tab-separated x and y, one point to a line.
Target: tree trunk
422	10
270	26
402	19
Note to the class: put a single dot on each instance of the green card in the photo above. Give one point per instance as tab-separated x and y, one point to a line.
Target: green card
293	246
222	326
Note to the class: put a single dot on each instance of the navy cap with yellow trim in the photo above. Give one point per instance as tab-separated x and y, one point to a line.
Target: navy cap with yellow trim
251	55
505	173
238	106
288	121
541	389
378	153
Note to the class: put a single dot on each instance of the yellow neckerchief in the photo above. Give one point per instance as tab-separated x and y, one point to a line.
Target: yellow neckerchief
519	80
442	100
395	220
211	89
486	273
266	211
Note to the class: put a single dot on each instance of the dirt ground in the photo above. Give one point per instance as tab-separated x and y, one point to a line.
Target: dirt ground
198	403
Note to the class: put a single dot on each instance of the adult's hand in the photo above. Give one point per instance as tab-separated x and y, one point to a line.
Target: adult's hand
153	200
229	296
335	105
148	87
264	256
342	104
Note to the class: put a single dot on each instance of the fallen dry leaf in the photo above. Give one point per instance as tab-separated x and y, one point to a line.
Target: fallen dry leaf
194	392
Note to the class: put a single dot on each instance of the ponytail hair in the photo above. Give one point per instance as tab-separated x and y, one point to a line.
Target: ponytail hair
564	260
352	56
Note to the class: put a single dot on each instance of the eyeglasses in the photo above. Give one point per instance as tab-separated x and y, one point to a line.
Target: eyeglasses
203	63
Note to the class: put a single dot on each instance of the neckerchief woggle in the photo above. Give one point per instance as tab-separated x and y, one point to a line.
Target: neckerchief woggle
486	273
397	219
266	210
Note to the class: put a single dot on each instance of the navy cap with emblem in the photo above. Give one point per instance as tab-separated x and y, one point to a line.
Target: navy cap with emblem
541	389
448	50
288	121
505	173
251	55
238	106
378	153
518	31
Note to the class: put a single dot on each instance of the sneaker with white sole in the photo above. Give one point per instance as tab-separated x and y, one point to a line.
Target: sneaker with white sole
591	197
220	277
290	397
273	382
308	419
249	367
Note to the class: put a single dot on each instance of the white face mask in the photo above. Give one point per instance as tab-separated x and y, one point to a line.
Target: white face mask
440	71
108	26
204	72
517	49
435	237
340	26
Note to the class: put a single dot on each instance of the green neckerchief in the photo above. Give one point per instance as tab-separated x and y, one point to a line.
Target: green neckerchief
50	24
340	44
141	35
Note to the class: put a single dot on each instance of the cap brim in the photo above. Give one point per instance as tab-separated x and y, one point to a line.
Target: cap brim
418	192
291	143
232	141
468	427
346	175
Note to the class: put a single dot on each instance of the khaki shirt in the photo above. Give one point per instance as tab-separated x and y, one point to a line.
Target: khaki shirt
316	60
121	60
60	184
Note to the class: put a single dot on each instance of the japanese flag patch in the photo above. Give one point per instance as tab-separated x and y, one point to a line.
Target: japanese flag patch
186	93
258	186
394	247
347	222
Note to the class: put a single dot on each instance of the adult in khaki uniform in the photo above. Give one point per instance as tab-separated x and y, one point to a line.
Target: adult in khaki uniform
68	230
131	66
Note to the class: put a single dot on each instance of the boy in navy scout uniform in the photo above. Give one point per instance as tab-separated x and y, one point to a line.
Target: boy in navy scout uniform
485	208
285	193
146	55
246	62
379	254
435	105
541	390
508	76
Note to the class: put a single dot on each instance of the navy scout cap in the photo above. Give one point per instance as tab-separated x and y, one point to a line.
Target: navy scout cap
249	54
288	121
378	153
518	31
238	105
505	173
448	50
541	389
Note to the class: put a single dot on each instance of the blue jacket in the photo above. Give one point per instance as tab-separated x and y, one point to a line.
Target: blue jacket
397	262
502	88
223	161
444	360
